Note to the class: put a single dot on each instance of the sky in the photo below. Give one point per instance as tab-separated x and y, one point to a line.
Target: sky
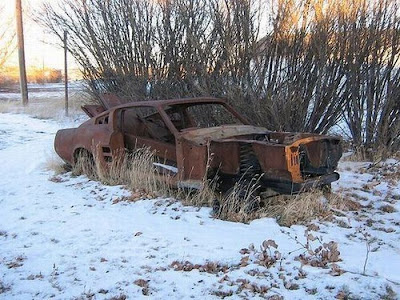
40	48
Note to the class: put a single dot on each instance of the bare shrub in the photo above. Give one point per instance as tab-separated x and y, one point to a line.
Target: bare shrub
267	256
326	254
370	33
7	36
318	62
160	49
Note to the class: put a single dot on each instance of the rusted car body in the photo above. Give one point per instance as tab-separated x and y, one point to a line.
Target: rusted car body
222	143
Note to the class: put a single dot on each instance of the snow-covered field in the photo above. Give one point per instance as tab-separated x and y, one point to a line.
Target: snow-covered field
68	237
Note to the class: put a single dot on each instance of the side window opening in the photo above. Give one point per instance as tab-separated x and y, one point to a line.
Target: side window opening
146	122
102	120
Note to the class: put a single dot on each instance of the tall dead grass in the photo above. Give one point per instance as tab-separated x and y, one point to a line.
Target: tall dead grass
300	208
242	203
136	170
46	108
286	209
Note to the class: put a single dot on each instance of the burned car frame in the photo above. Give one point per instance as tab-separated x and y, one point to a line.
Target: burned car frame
202	137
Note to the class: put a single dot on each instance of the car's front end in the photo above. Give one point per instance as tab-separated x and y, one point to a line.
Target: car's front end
285	162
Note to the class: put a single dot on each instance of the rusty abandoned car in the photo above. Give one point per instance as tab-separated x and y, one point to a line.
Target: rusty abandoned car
199	138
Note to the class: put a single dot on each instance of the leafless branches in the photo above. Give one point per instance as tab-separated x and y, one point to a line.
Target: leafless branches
318	62
7	35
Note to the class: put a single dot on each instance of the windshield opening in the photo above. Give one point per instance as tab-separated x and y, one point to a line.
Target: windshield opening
203	115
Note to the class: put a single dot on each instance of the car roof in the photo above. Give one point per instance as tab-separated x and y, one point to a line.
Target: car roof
168	102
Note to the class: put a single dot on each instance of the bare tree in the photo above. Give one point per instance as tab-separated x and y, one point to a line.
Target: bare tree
7	35
371	35
319	63
141	49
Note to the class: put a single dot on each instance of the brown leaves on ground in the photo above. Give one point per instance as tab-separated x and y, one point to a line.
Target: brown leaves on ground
16	263
135	196
208	267
387	208
57	179
144	284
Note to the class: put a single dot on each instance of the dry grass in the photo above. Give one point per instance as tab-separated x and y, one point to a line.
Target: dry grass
387	208
287	209
374	155
46	108
241	204
339	202
296	209
85	164
56	164
205	196
135	170
143	174
303	208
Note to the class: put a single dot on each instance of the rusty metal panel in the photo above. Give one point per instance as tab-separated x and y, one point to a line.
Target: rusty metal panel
287	159
93	110
225	157
191	160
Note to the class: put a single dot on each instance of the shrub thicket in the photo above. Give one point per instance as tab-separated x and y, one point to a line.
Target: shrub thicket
311	65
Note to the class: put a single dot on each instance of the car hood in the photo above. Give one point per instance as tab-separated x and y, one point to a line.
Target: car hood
203	135
249	134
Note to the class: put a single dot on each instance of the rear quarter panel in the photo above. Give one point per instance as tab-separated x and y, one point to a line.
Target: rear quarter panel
88	137
63	144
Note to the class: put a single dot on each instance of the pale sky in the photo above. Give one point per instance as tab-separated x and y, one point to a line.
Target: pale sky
39	50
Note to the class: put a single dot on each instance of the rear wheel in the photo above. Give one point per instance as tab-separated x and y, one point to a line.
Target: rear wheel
84	163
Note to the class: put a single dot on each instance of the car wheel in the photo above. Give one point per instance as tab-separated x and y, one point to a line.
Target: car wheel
84	163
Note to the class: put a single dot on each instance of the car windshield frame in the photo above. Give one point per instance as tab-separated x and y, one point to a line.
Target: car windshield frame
226	107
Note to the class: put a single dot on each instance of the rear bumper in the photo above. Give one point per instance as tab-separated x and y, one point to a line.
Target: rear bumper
288	187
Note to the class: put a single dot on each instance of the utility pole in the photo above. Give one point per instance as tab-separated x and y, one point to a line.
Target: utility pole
66	72
21	53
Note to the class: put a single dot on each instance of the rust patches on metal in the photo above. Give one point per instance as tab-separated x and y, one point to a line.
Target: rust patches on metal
286	162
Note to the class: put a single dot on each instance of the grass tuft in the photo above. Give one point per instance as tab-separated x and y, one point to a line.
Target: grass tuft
56	164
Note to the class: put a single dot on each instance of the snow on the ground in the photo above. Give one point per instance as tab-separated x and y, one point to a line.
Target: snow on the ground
67	237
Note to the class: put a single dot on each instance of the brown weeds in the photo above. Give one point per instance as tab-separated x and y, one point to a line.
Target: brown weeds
46	108
242	203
